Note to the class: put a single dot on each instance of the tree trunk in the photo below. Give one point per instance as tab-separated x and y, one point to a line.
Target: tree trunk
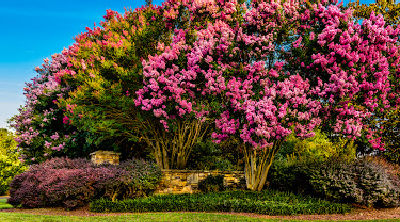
172	150
257	164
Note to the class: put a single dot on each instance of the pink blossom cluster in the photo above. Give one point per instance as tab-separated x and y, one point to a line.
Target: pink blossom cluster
261	104
355	65
201	12
33	121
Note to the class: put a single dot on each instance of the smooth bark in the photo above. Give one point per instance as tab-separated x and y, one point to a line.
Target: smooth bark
172	149
257	164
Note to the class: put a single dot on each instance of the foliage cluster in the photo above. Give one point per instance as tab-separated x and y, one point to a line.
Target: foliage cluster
365	181
318	148
10	164
388	8
207	155
390	129
71	183
212	183
264	202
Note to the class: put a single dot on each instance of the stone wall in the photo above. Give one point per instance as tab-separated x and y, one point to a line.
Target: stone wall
186	181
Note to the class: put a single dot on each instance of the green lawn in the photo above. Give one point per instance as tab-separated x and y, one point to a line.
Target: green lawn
170	217
4	205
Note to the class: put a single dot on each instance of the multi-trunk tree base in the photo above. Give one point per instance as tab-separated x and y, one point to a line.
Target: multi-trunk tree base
172	149
257	164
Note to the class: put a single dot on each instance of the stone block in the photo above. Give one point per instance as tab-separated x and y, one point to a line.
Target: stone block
193	178
175	183
102	157
187	189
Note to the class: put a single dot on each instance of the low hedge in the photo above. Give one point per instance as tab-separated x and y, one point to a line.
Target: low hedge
263	202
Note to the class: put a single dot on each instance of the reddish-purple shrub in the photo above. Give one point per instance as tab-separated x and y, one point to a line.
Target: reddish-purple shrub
133	178
71	183
63	163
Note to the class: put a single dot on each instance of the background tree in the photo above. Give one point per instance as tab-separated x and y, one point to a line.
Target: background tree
10	164
388	8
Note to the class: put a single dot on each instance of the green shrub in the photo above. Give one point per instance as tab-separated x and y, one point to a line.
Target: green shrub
9	162
211	156
212	183
363	181
290	175
265	202
318	148
133	178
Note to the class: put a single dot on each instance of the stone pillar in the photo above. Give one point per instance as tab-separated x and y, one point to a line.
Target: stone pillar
105	157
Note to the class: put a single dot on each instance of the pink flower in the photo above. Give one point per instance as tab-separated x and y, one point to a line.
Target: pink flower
66	120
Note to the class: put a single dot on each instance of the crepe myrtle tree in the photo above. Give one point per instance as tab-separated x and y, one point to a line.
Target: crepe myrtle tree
262	103
175	92
285	68
107	75
40	126
233	71
106	66
70	116
386	122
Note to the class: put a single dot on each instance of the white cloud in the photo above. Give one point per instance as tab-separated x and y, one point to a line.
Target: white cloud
8	110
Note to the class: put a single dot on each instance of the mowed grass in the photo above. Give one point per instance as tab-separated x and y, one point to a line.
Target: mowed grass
4	205
147	217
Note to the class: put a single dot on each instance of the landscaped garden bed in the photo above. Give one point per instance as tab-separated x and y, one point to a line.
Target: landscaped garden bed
259	108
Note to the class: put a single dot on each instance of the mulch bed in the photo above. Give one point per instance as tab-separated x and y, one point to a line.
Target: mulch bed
358	214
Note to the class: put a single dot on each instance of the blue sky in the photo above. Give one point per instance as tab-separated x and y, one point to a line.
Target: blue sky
33	30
